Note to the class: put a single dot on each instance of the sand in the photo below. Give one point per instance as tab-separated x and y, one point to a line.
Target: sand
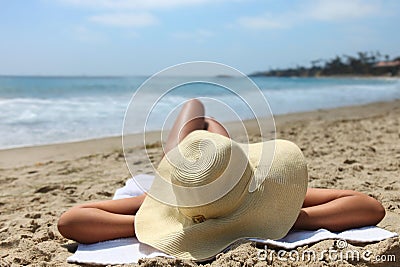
348	148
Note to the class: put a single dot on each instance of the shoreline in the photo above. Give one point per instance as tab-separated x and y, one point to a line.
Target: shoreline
368	77
145	76
39	154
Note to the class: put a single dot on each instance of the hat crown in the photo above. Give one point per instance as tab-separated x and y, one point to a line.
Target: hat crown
199	161
214	164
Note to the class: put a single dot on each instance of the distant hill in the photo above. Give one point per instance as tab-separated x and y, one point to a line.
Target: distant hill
364	64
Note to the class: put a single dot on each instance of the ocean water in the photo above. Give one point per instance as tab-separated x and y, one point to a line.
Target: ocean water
44	110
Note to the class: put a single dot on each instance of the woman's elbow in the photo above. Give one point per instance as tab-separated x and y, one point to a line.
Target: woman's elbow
377	210
66	224
380	212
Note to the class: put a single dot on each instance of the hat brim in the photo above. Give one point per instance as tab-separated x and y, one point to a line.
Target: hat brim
269	212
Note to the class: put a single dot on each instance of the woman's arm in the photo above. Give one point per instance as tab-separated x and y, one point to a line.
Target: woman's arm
338	210
99	221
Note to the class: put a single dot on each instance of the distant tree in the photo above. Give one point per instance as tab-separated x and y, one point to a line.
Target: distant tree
361	64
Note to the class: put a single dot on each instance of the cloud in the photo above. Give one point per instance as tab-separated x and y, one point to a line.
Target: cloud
263	22
315	10
342	9
133	4
124	19
129	13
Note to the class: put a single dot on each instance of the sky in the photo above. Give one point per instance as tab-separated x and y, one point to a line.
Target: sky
142	37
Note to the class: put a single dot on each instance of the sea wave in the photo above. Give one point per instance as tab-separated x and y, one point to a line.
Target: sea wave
34	113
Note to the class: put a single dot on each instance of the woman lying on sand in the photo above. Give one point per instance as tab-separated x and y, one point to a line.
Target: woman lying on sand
332	209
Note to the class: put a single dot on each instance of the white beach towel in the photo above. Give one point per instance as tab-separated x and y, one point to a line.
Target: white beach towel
130	250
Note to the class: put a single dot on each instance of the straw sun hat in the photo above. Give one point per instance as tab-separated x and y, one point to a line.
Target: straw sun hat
211	191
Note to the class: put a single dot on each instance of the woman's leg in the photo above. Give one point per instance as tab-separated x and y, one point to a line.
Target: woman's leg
214	126
338	210
190	118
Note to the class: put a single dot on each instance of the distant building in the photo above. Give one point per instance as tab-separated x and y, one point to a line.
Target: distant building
387	64
391	68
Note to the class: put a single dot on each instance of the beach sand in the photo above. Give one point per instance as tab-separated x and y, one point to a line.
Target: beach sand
347	148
